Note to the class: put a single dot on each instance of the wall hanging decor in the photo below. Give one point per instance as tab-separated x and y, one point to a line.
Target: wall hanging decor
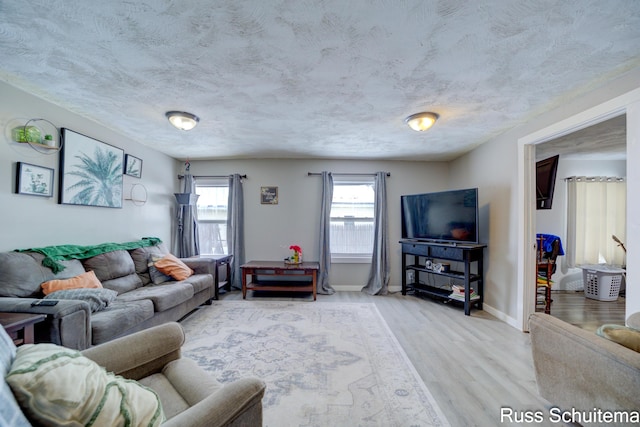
269	195
137	194
34	180
132	166
90	171
39	134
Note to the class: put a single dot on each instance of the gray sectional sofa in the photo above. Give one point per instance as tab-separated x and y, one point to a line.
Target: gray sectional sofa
140	303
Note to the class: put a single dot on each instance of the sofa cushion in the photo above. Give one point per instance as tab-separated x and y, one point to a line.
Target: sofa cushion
115	270
156	275
174	385
123	284
164	296
622	335
58	386
141	257
98	299
200	282
172	402
172	266
118	318
110	265
22	274
85	280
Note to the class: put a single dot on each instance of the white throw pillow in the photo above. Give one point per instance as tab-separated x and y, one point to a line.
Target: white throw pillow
55	385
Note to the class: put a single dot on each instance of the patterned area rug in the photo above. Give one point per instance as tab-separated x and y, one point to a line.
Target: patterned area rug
324	364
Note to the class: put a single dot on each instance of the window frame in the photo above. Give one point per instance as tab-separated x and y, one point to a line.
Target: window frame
347	257
220	183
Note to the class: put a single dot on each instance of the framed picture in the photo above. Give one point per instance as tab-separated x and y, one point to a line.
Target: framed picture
90	172
132	166
269	195
34	180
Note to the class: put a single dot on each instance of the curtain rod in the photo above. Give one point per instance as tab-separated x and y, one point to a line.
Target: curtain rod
346	174
211	176
595	178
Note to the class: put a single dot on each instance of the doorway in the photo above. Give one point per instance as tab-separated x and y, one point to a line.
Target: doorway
597	150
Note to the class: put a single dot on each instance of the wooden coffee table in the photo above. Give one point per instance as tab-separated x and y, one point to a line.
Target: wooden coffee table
19	326
260	272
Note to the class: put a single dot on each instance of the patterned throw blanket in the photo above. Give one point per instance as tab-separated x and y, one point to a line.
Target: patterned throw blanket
54	254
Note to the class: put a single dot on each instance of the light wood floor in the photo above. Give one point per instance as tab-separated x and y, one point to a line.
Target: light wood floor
473	365
586	313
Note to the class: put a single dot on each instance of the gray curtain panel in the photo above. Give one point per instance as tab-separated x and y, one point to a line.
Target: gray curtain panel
187	243
235	229
378	283
322	285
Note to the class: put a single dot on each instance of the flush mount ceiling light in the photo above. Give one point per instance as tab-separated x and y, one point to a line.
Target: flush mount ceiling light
182	120
421	121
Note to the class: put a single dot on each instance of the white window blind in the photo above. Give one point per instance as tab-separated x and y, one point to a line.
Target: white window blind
352	216
212	215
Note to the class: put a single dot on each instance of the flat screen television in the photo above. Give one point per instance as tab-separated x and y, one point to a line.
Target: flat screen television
445	216
546	181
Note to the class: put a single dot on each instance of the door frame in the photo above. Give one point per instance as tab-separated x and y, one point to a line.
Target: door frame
526	188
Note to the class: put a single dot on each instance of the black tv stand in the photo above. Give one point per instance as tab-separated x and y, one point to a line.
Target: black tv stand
467	253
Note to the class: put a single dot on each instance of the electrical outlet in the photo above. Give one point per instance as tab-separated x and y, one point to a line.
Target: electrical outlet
411	276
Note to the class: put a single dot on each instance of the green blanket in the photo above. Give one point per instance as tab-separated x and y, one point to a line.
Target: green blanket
53	254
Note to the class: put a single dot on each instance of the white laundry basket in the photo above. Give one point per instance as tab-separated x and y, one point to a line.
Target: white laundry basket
601	281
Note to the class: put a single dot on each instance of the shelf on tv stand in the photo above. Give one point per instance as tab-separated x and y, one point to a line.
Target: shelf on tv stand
440	293
453	274
465	253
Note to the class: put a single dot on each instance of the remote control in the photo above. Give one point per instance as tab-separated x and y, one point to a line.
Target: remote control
44	302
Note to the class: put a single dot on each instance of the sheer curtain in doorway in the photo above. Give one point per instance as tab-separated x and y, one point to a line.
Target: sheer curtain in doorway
596	211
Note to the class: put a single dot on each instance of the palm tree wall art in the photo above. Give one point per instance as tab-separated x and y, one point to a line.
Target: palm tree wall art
90	172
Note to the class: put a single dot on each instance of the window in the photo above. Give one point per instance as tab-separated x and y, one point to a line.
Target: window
352	217
212	215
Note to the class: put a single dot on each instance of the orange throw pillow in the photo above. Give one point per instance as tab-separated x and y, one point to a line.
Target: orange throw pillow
85	280
172	266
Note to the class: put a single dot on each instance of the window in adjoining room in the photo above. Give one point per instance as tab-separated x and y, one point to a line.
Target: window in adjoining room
212	215
352	216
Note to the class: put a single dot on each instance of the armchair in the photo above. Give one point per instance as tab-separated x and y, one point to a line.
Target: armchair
189	395
152	357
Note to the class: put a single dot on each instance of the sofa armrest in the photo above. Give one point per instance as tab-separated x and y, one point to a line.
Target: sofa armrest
238	403
577	369
201	265
140	354
68	323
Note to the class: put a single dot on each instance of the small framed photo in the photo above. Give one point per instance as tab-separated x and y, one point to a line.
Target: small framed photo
269	195
132	166
34	180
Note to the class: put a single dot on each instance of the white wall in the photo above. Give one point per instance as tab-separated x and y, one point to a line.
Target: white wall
491	168
271	229
633	208
32	221
494	167
553	221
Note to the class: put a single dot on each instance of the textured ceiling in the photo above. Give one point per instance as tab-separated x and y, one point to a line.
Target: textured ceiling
606	140
315	79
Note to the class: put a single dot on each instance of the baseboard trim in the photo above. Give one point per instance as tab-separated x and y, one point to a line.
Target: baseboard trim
501	316
358	288
489	309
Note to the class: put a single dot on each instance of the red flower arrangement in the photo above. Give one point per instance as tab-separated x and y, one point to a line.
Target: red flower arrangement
297	254
295	248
